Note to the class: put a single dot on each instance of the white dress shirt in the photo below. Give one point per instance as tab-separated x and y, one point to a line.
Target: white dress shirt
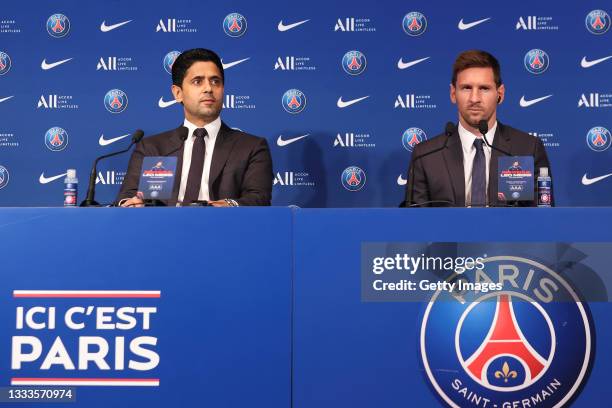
469	152
213	130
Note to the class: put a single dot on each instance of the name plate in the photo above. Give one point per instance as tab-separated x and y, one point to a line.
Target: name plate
515	178
157	177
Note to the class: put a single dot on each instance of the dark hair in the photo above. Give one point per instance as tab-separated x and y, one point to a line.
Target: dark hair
476	59
188	58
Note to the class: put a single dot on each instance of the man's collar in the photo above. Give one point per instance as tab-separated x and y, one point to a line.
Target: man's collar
212	128
467	137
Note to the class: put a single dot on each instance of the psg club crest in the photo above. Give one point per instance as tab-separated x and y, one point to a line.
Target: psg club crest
5	63
354	62
58	25
414	23
597	22
532	341
56	139
115	101
234	25
599	139
4	177
412	137
169	60
294	101
353	178
536	61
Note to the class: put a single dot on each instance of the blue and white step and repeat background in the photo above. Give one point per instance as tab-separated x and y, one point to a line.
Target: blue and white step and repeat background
370	80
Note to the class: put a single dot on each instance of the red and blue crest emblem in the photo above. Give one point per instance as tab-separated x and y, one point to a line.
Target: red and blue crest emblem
536	61
115	101
353	178
414	23
598	139
234	25
294	101
58	25
56	139
354	62
597	22
532	341
412	137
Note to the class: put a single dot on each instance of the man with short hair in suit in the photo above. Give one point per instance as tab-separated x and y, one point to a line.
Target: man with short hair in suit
464	171
217	164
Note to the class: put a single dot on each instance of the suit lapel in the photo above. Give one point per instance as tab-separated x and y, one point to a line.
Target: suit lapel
223	147
176	147
453	157
502	142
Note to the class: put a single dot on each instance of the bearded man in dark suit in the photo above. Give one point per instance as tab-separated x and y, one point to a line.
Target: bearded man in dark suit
216	164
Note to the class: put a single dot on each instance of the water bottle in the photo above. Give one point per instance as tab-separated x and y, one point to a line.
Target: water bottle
544	181
71	184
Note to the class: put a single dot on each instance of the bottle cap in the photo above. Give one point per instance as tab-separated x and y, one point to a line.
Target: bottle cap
72	173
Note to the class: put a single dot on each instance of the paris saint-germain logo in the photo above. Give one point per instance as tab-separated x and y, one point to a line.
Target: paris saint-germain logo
234	25
412	137
5	63
599	139
536	61
353	178
58	25
4	177
414	23
532	341
597	22
169	60
56	139
115	101
354	62
294	101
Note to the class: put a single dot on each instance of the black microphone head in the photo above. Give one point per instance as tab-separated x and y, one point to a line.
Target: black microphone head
449	129
483	126
137	136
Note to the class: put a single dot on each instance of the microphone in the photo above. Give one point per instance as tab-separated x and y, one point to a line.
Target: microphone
91	189
183	136
483	128
449	129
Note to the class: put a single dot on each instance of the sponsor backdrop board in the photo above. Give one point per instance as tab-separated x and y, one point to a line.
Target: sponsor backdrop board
180	318
342	91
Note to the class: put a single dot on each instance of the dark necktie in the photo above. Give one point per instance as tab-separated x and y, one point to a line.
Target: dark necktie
194	180
479	176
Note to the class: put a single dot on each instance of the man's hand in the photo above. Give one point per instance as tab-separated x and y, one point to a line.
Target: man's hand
218	203
136	201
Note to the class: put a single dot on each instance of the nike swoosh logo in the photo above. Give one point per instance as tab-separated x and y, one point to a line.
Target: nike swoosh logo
6	99
231	64
105	142
282	27
588	181
343	104
525	103
401	181
588	64
467	26
403	65
44	180
286	142
106	28
163	104
44	65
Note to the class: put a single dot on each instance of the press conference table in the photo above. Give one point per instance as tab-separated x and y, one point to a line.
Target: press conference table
252	306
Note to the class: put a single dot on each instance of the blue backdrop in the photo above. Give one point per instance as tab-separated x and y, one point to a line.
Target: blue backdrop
56	75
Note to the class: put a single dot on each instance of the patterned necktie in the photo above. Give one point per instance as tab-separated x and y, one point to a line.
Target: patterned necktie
194	180
479	176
